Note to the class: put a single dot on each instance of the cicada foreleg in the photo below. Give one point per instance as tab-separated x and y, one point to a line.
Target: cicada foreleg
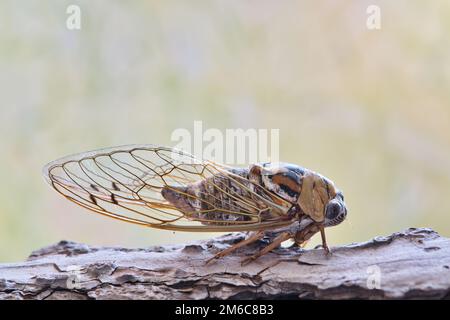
324	240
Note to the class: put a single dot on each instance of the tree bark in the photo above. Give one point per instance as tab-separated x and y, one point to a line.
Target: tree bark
411	264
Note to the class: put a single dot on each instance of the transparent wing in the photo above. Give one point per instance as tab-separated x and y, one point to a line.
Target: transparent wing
126	183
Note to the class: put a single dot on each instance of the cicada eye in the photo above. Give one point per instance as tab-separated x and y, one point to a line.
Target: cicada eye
333	210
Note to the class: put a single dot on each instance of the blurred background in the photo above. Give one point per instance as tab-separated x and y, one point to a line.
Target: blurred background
367	108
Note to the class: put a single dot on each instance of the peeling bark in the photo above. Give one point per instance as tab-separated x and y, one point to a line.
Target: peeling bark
411	264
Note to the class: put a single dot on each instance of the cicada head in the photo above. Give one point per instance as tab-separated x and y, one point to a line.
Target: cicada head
320	200
335	210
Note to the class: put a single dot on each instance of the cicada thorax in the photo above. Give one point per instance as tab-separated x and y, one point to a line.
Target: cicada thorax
308	191
282	179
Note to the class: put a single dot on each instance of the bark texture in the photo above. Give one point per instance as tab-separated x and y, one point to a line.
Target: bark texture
414	263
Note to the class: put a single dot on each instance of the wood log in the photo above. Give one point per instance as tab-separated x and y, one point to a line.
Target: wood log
411	264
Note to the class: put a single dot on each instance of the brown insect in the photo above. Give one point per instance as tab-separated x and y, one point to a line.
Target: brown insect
165	188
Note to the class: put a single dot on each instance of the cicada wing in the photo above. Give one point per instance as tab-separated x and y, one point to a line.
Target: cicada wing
126	183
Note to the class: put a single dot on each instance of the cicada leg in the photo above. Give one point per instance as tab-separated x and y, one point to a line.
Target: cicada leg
324	240
273	245
253	238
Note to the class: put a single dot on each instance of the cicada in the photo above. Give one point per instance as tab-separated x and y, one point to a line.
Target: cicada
166	188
